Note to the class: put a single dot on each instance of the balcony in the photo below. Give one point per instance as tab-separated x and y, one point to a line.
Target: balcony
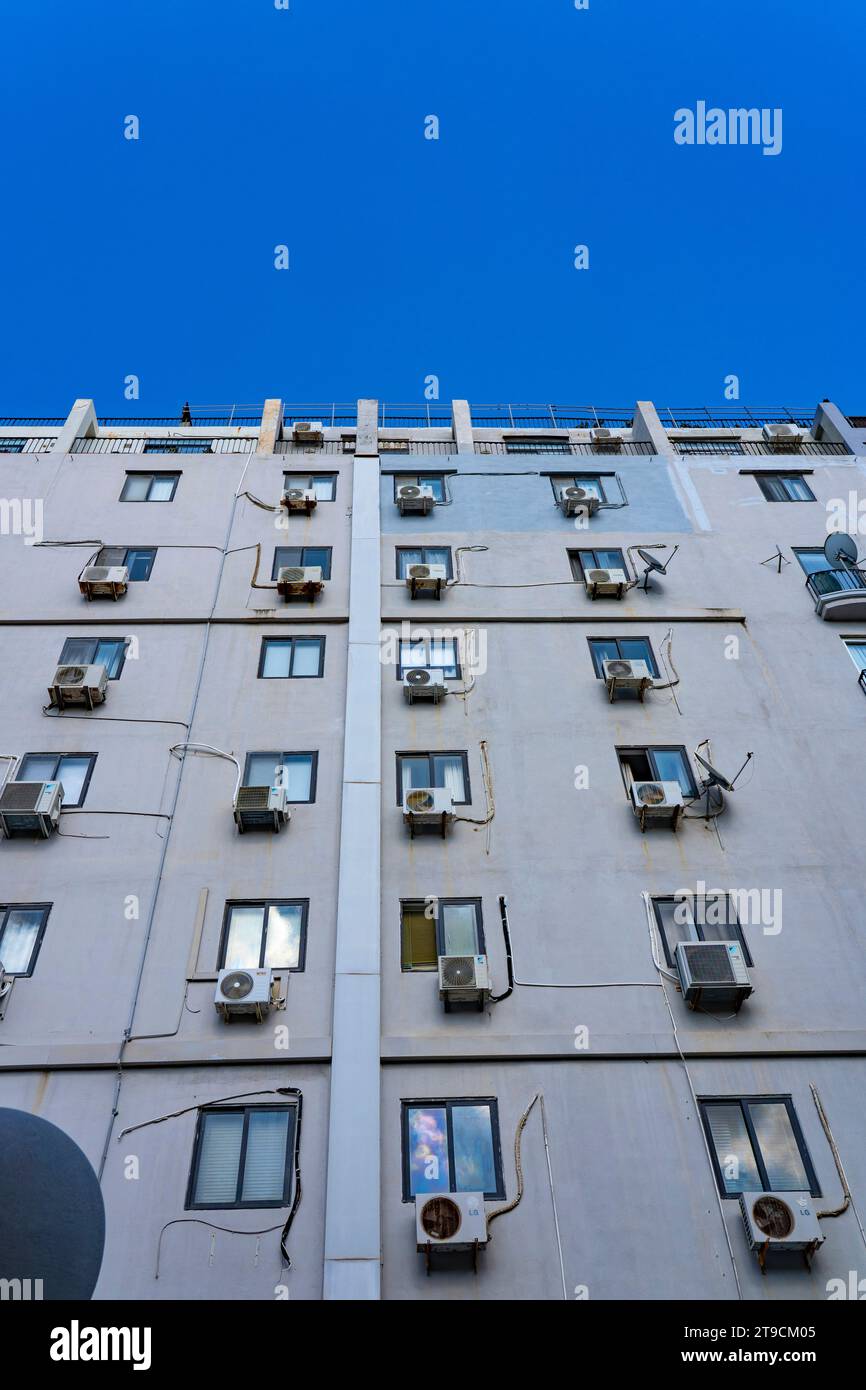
839	595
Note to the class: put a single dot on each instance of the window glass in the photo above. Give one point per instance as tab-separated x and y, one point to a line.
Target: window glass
448	773
778	1145
671	766
244	937
428	1150
262	769
110	654
72	772
298	775
37	767
219	1158
812	560
592	485
474	1164
140	564
286	556
459	929
162	488
415	771
277	657
734	1153
135	488
19	936
423	555
283	943
436	482
265	1157
857	653
324	486
306	656
418	933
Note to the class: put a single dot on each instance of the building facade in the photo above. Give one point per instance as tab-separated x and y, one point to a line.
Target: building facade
115	926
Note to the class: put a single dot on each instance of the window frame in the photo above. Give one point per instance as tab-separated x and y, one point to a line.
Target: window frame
123	642
449	1103
139	549
427	641
577	554
597	664
295	480
279	564
292	638
58	757
649	749
238	1205
5	909
658	898
560	480
422	480
281	753
146	473
264	904
417	904
404	549
461	753
763	476
745	1102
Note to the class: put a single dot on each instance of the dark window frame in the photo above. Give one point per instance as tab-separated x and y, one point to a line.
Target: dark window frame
416	904
405	479
302	562
449	1103
291	479
736	924
67	753
431	753
5	909
762	477
146	473
265	903
286	753
559	480
246	1110
576	554
293	638
123	642
405	549
744	1103
401	669
140	549
596	662
649	749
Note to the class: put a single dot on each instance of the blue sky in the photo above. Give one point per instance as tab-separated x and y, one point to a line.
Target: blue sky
411	257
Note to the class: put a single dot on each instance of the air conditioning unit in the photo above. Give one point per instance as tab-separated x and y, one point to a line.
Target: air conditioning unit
240	992
452	1221
413	497
780	1221
577	501
258	808
104	581
620	674
428	806
657	801
308	431
783	437
713	974
603	438
463	980
426	579
606	583
6	983
78	685
421	684
300	581
299	499
30	806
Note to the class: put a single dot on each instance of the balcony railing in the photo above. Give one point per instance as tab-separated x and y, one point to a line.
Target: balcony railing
861	680
734	418
34	444
523	447
347	446
332	415
835	581
549	417
32	420
432	415
811	448
148	444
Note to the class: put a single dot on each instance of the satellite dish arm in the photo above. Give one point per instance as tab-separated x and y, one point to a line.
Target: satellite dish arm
734	780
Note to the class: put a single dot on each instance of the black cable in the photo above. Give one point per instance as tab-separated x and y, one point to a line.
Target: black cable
509	964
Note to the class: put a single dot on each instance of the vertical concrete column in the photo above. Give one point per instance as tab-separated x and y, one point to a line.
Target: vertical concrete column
832	425
367	436
461	424
352	1217
80	423
647	425
269	430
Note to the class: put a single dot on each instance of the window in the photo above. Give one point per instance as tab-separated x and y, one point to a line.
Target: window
138	561
109	652
423	555
74	770
813	561
758	1146
657	765
286	555
297	771
178	446
537	446
324	485
434	927
271	933
242	1157
698	917
595	483
297	657
12	446
436	481
784	487
630	648
433	653
149	487
449	770
22	926
451	1146
708	446
857	651
583	560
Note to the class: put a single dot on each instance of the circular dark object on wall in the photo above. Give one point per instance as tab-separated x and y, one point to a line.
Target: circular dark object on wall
52	1216
773	1217
440	1218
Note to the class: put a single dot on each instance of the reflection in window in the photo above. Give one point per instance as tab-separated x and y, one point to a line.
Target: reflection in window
451	1146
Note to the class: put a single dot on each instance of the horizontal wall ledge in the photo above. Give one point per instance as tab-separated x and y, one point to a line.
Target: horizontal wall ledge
263	617
607	616
634	1047
161	1052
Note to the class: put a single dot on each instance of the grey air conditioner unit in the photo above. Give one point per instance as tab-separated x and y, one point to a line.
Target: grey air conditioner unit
620	674
78	685
780	1221
606	583
300	581
244	992
463	980
452	1221
604	439
30	807
662	801
412	497
431	807
783	437
300	499
426	579
578	501
421	684
713	974
308	431
103	581
261	808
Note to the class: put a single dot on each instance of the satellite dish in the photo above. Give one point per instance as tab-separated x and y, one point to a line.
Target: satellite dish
714	777
652	563
650	560
840	549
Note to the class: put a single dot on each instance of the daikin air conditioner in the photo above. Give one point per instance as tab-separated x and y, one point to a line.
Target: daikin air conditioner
463	980
243	992
783	437
426	579
103	581
452	1221
780	1221
620	674
578	501
713	974
605	439
30	807
412	497
606	583
78	685
662	801
261	808
419	683
300	581
308	431
300	499
428	807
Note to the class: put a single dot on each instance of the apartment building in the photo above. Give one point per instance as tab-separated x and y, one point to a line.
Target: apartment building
306	614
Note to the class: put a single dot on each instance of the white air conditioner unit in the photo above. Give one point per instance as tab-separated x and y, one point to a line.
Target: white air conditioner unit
603	438
412	497
452	1221
576	501
30	806
463	980
104	581
240	992
300	581
258	808
78	685
308	431
783	437
606	583
421	684
426	579
6	983
620	674
780	1221
428	806
713	974
657	801
299	499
